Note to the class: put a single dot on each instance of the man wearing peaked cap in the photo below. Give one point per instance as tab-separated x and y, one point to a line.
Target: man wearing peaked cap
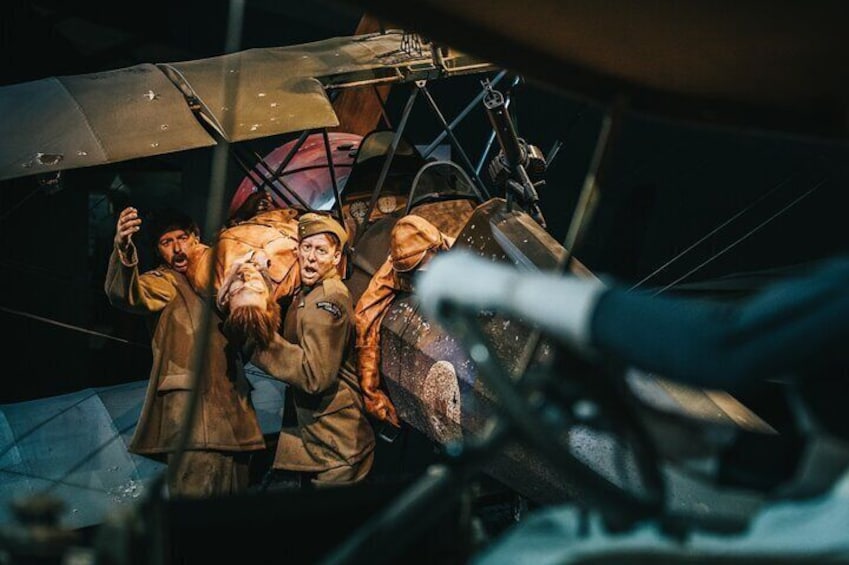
313	223
226	431
331	441
413	242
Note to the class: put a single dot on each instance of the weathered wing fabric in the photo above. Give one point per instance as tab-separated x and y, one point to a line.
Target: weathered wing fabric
69	122
74	447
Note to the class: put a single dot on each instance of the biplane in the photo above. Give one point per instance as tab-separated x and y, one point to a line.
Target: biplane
82	122
290	92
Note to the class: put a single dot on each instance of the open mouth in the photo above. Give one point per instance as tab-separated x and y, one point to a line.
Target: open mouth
180	262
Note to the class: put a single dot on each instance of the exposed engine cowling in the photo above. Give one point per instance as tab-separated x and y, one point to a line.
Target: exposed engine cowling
533	160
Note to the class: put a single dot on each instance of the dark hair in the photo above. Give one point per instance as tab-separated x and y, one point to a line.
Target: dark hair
163	220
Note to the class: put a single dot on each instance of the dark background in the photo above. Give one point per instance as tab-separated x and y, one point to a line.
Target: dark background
667	185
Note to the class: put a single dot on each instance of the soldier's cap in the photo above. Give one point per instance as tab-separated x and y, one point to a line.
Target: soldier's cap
312	223
411	238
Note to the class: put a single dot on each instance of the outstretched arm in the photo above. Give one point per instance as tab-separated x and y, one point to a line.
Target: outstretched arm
124	286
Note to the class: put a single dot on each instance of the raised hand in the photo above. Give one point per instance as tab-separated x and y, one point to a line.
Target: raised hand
128	224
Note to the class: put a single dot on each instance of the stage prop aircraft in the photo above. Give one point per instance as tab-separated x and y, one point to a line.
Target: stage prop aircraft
73	446
371	179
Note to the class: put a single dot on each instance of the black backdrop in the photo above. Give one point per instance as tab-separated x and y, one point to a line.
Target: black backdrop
667	185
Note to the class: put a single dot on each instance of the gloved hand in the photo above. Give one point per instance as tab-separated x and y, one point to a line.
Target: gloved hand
380	407
377	402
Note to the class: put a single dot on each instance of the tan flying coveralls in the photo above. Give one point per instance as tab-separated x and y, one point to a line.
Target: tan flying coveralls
274	233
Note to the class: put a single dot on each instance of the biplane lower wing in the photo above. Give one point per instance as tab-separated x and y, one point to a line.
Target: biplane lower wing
74	447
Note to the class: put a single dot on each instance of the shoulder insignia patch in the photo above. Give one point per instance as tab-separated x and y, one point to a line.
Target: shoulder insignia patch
334	310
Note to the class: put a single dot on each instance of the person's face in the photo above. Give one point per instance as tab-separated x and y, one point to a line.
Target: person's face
318	255
249	288
174	247
252	314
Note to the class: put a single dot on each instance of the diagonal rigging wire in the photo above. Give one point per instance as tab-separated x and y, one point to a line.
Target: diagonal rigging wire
745	236
96	333
715	230
67	280
71	327
19	204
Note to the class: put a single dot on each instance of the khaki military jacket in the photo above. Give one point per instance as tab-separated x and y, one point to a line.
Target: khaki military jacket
225	418
313	356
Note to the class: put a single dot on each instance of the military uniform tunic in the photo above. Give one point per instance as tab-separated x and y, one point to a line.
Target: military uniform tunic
332	436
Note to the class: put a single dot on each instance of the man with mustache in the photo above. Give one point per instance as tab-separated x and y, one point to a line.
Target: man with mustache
330	441
225	430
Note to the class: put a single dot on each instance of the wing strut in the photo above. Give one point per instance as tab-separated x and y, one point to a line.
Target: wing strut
462	115
478	185
267	181
396	139
332	168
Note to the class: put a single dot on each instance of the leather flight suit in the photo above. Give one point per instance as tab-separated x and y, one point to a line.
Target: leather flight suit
411	239
274	233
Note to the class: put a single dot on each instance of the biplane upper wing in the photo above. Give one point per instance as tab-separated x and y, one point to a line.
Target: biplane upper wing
754	64
85	120
67	122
